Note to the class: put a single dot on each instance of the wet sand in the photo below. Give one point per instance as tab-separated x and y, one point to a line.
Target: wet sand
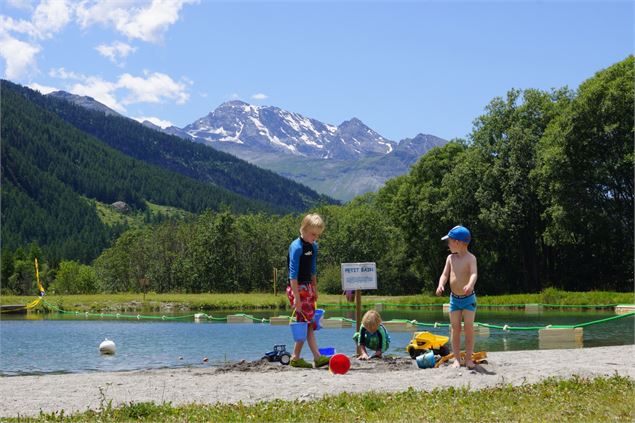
251	382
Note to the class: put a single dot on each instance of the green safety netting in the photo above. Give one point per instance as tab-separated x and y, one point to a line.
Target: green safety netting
265	320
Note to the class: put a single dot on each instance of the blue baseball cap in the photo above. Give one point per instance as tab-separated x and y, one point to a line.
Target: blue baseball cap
459	233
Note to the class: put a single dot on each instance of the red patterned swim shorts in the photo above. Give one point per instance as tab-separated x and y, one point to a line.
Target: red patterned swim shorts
307	302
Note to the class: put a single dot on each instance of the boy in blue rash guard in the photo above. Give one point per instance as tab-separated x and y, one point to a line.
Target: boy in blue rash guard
302	288
461	270
372	335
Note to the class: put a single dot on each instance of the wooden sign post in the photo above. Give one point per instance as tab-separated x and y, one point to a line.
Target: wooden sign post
275	281
358	276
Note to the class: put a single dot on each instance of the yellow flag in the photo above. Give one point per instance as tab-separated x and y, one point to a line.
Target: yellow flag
37	277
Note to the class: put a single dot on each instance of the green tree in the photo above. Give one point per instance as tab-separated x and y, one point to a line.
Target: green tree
211	256
165	244
417	205
585	175
8	267
361	232
493	194
22	281
75	278
119	267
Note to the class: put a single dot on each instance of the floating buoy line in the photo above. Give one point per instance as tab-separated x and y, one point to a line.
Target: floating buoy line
109	345
244	318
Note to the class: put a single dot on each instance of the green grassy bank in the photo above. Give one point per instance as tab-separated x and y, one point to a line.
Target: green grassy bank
136	302
573	400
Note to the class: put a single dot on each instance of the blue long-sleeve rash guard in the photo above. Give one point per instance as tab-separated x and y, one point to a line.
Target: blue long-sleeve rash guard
302	260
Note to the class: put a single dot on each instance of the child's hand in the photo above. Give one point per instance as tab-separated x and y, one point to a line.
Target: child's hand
363	356
467	289
440	289
296	304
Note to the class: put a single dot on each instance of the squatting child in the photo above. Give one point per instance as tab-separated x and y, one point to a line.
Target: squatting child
302	287
372	335
461	270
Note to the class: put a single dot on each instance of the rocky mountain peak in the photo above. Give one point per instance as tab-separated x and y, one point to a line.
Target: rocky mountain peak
84	101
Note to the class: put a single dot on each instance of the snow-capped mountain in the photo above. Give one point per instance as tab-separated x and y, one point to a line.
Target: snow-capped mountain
271	129
340	161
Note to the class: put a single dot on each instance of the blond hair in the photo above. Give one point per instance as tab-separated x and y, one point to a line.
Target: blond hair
312	222
371	320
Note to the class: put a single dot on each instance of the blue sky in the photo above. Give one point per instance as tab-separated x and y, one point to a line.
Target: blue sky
403	68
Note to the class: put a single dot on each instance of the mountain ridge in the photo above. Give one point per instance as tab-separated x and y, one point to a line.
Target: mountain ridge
272	138
349	159
187	158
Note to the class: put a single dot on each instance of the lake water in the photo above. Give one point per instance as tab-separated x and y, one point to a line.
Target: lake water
56	343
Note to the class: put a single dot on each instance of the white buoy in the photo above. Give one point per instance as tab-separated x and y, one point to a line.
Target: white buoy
107	347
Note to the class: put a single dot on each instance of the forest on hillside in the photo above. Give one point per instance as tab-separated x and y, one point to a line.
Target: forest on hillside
183	157
50	169
544	182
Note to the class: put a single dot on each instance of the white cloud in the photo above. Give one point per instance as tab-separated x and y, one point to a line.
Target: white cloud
20	4
62	73
50	16
153	89
234	96
44	89
259	96
92	86
116	51
8	24
148	22
155	120
19	56
99	89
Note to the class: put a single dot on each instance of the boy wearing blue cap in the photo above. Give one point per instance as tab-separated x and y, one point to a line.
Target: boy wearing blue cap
461	270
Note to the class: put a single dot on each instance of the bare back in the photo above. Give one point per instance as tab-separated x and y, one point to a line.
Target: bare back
461	268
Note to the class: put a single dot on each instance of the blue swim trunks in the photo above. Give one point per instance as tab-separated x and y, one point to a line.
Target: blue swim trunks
462	302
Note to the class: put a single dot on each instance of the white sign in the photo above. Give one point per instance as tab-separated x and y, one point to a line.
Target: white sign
359	276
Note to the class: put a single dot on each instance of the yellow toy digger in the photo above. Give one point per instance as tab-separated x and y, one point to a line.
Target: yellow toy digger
424	341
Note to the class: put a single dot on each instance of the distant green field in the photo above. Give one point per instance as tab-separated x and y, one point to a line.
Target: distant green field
112	217
155	302
256	301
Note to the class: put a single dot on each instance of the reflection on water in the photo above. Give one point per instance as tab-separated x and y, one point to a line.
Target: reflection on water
54	343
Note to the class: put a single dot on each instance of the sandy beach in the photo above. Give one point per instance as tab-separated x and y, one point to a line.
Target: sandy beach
255	381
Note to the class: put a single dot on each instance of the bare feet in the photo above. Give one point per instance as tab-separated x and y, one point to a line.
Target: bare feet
470	364
456	364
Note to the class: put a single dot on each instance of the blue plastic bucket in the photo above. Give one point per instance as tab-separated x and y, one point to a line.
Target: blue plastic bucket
298	330
317	317
426	360
329	351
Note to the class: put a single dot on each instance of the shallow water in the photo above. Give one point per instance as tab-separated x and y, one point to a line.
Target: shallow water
55	343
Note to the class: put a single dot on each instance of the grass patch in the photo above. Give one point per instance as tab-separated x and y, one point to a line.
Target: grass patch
572	400
547	296
129	302
175	302
111	217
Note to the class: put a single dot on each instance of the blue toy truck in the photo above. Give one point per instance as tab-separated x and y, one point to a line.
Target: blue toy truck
279	353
